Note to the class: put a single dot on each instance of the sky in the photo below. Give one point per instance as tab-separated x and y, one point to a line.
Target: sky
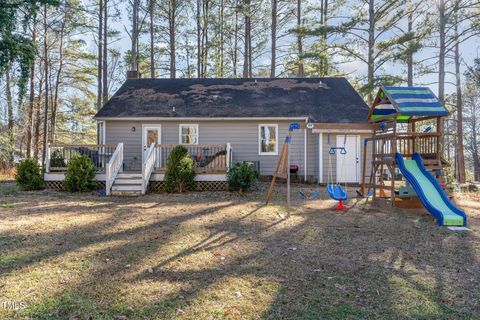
469	51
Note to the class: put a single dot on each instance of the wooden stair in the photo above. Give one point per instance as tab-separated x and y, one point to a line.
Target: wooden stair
127	184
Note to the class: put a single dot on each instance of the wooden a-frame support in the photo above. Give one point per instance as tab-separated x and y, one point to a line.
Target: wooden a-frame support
282	162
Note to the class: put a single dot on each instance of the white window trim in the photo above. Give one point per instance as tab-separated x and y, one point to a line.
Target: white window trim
180	133
260	139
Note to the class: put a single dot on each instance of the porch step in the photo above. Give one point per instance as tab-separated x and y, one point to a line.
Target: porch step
126	193
127	181
129	175
127	184
127	187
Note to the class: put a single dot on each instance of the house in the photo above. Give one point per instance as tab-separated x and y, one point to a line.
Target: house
225	121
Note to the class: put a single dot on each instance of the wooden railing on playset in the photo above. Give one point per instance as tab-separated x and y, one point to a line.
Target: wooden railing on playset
208	158
386	145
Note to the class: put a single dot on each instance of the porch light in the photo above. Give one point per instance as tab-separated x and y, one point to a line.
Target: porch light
133	129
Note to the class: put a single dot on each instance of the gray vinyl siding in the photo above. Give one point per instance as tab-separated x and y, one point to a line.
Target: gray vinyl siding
243	137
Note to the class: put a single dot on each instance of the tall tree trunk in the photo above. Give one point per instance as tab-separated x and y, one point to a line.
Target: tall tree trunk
273	40
171	30
371	51
38	119
10	126
53	120
45	116
205	45
299	40
441	63
235	43
410	52
474	144
459	151
199	37
325	68
152	42
105	53
99	57
222	48
134	63
246	59
32	95
187	57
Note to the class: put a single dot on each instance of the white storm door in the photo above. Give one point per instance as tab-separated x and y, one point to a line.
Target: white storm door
348	164
151	134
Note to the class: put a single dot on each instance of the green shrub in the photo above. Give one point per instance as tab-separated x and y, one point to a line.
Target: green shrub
241	177
57	160
80	174
180	173
29	175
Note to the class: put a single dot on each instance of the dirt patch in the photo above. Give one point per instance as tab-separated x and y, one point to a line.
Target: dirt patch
214	255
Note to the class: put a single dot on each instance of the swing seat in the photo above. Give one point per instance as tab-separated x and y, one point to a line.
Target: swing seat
336	192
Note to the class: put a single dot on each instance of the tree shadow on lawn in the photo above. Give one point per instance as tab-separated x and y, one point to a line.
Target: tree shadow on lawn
324	265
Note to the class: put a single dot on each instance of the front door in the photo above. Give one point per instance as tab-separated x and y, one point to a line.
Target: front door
151	134
348	163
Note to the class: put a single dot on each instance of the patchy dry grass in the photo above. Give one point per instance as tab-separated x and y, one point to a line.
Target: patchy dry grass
7	174
224	256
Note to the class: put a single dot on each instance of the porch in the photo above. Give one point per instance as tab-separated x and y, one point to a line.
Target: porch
211	162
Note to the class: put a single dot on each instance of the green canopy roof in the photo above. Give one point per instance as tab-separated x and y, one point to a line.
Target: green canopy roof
403	103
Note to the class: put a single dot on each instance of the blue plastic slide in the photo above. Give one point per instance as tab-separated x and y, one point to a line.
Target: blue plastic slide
430	192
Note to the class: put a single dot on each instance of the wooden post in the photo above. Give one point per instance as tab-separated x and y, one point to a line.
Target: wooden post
439	140
364	167
227	158
374	148
47	159
274	178
392	162
414	146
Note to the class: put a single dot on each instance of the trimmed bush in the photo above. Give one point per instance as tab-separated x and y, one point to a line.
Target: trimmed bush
80	174
180	173
29	175
241	177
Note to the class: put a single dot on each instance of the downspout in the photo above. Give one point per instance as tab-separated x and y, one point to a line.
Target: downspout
320	157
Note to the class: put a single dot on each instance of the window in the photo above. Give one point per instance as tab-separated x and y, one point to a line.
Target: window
268	139
188	134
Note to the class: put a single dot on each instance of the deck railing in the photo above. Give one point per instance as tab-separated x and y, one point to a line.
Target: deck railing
113	167
147	166
58	155
207	158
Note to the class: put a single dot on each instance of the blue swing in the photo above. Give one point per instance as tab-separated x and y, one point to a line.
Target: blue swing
336	191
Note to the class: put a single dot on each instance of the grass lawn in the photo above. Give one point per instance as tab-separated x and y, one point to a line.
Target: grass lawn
216	255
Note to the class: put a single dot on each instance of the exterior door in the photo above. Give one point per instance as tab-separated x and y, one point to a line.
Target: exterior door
348	164
151	134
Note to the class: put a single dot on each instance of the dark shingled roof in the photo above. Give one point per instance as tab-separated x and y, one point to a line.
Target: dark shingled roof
322	99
